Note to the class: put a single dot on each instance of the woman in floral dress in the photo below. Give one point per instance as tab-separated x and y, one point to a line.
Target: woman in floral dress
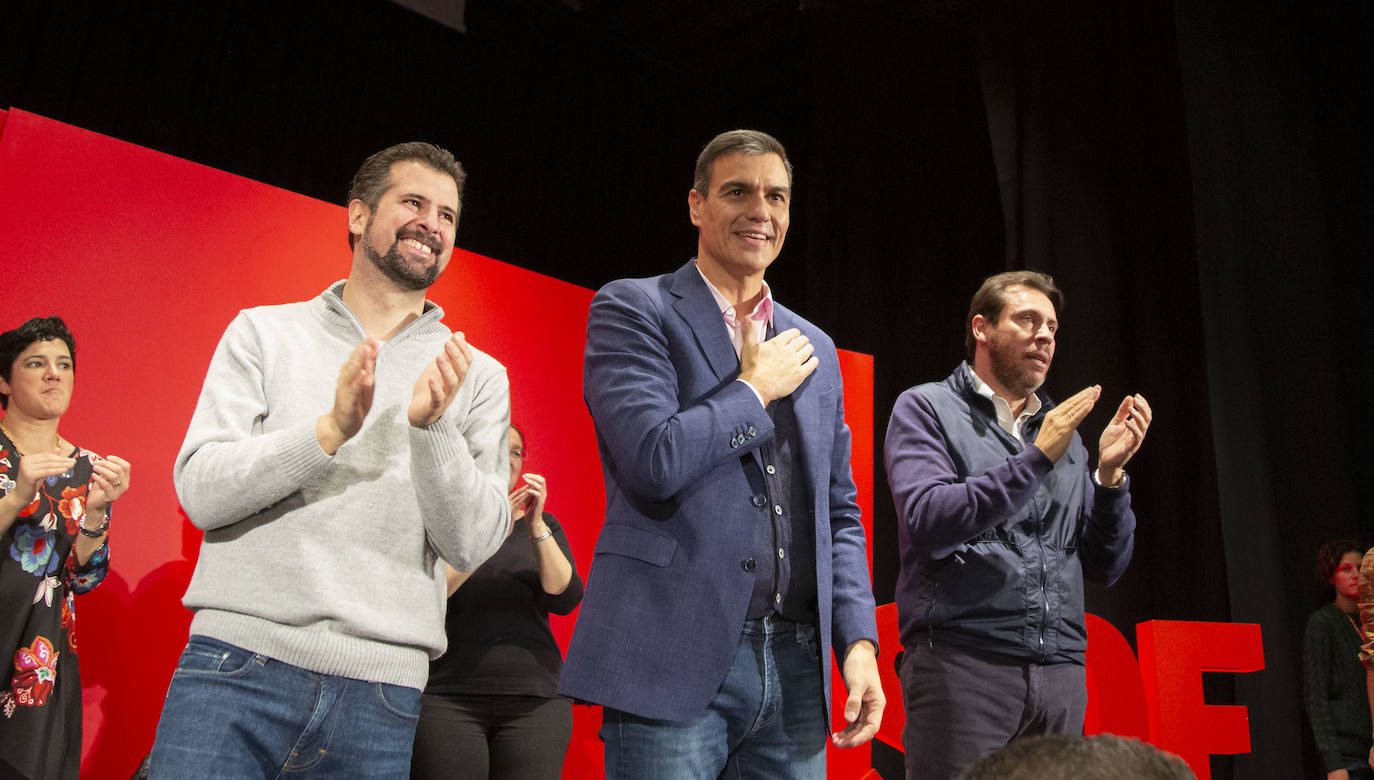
55	508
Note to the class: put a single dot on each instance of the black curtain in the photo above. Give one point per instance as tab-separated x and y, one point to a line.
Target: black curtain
1277	100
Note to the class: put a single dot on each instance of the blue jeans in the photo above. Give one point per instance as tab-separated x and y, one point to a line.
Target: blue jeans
231	713
767	720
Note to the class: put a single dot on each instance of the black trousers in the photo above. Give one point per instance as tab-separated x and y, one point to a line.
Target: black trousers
491	736
959	707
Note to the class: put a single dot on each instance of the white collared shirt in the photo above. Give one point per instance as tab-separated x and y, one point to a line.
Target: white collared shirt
1004	418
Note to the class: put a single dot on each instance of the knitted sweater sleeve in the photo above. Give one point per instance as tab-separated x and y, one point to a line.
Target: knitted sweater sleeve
459	468
1316	654
229	469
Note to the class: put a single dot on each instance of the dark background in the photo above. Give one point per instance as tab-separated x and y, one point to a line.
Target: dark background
1196	176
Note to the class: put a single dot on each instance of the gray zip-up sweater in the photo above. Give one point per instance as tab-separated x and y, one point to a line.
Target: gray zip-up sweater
335	564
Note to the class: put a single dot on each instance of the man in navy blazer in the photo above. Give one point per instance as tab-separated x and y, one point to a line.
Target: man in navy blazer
732	557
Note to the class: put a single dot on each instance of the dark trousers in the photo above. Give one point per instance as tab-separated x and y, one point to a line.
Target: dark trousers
521	737
960	707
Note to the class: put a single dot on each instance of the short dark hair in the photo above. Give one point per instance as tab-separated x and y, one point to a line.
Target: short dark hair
374	177
1330	555
14	342
992	297
730	142
1076	757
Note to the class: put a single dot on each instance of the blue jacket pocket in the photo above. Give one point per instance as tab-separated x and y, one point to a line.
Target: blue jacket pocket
634	542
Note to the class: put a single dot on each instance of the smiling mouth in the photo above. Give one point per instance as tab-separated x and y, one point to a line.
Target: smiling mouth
418	246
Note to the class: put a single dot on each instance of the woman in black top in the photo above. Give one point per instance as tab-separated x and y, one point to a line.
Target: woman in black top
1333	678
491	707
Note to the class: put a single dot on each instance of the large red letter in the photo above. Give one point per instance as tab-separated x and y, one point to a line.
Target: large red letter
1173	656
1116	698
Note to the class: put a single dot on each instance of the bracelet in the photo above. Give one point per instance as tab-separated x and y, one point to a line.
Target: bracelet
100	530
541	537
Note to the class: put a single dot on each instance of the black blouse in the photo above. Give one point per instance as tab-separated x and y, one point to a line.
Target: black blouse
499	642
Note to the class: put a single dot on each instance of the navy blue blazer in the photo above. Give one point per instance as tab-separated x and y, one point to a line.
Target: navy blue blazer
666	593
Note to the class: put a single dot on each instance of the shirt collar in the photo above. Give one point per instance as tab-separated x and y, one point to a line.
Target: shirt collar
1004	418
762	313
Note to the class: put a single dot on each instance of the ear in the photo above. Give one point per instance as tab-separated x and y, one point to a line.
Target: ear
695	201
358	214
979	325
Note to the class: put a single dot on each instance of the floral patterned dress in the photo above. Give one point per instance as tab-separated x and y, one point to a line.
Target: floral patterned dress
40	691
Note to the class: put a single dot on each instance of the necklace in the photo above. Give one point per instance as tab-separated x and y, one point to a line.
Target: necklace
1358	631
19	449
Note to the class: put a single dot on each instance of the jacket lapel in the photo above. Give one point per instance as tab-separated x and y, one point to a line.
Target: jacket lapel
695	304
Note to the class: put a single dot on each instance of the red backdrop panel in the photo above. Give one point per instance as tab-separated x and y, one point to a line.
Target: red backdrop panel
150	259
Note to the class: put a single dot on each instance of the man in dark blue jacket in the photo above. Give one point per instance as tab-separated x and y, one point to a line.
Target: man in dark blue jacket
1000	519
732	559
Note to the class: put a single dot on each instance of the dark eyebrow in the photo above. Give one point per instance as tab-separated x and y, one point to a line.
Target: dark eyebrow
744	185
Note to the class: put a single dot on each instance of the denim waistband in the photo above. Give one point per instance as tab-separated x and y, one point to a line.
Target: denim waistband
772	625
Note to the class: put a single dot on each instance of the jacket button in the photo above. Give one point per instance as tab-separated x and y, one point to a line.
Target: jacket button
753	431
734	443
749	564
759	499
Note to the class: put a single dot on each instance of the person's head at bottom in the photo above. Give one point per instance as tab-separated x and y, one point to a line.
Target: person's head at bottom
1073	757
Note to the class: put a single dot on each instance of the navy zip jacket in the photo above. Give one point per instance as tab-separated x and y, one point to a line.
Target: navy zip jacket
995	539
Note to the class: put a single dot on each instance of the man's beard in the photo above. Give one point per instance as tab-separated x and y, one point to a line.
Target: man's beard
395	267
1005	360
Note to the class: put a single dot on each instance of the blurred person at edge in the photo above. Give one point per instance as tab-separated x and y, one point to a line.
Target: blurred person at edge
1366	606
492	705
57	501
1333	679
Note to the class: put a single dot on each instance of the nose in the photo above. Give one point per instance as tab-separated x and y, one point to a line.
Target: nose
757	209
428	220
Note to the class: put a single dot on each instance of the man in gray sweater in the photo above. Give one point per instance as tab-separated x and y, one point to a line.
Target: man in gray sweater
343	448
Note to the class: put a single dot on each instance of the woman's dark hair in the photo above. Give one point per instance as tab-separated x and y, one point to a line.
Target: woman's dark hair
14	342
1330	555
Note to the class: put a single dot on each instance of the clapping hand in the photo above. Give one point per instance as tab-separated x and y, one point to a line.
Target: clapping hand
109	480
35	468
439	382
1056	431
1121	438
